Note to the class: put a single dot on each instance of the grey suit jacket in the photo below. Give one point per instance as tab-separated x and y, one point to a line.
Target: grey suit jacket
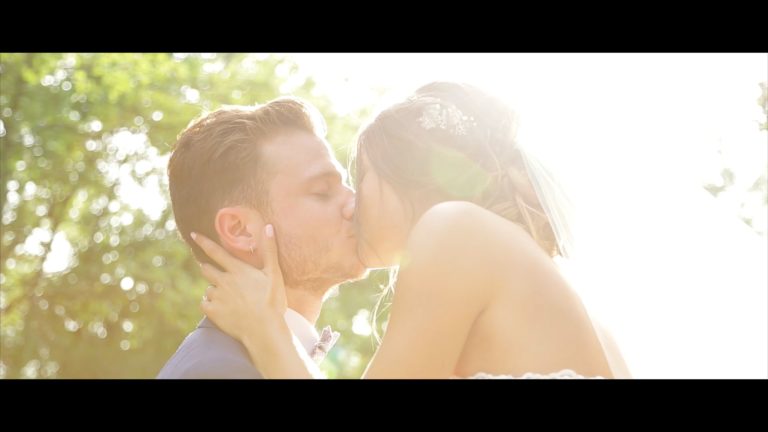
208	352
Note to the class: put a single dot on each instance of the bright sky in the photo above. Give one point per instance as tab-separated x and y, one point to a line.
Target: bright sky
654	113
676	110
708	97
679	110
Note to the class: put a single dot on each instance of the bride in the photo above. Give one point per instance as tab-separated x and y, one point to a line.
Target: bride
495	262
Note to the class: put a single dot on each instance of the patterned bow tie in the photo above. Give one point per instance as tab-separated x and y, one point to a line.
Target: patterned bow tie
328	338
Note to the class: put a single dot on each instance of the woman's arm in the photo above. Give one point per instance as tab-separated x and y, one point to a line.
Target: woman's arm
249	304
441	289
456	261
277	354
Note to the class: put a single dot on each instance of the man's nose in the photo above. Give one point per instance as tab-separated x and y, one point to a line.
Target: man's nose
348	212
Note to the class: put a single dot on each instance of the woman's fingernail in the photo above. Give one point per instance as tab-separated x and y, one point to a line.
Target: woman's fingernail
269	230
193	235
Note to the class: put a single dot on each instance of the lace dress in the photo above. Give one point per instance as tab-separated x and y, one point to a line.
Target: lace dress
563	374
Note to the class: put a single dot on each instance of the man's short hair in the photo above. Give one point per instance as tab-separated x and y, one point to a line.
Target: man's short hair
217	161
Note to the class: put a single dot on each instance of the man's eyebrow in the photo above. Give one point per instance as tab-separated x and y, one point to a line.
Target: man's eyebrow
322	174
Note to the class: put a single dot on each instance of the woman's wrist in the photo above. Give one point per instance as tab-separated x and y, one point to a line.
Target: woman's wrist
275	354
265	336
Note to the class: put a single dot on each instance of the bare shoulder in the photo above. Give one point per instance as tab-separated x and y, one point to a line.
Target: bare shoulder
455	212
443	285
459	236
462	227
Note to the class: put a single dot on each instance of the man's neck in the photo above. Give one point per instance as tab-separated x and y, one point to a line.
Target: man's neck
306	302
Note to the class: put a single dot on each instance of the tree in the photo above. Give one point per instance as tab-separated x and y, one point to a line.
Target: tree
95	281
758	191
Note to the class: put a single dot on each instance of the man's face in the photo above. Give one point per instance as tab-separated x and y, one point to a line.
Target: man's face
312	210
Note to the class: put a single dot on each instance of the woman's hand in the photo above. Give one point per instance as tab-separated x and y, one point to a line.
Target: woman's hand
249	304
243	297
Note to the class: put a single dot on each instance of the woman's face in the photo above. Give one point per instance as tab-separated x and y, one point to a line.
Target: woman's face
382	220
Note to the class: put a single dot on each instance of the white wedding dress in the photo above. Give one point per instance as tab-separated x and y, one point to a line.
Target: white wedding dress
563	374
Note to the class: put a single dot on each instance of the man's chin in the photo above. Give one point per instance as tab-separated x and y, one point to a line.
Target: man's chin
363	269
356	271
361	273
352	272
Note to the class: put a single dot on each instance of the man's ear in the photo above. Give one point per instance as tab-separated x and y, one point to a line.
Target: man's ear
239	229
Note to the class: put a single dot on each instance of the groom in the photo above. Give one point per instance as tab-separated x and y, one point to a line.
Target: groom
239	168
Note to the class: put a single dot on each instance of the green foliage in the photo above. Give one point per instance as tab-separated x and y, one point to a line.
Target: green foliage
759	187
77	131
763	102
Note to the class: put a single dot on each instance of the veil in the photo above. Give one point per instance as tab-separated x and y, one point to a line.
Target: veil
680	284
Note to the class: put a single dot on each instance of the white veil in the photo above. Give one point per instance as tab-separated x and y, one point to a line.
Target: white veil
681	284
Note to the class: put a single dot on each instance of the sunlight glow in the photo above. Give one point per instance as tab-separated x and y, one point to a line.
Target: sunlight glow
361	325
147	195
687	116
686	107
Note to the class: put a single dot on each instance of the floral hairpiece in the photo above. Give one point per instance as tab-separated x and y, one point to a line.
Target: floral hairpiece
446	117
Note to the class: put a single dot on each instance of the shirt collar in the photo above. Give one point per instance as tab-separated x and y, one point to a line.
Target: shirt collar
304	331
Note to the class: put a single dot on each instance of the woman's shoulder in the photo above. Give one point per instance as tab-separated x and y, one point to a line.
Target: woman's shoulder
459	234
463	234
456	211
467	225
451	255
